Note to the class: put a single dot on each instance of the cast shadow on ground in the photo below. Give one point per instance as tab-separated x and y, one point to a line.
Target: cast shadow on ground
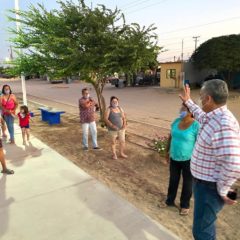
131	222
5	202
17	155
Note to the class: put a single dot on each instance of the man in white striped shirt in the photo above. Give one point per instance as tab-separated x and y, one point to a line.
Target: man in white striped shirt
215	162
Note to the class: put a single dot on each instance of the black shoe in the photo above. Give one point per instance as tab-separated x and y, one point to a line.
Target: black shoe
170	204
85	148
97	148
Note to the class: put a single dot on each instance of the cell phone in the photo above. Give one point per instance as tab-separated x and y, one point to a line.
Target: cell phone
186	82
232	195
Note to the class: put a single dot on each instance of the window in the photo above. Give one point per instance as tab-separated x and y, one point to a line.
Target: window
171	73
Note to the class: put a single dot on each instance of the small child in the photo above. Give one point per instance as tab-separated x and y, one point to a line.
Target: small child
24	118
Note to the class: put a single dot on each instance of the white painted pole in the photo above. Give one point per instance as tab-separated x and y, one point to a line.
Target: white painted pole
17	15
22	74
24	89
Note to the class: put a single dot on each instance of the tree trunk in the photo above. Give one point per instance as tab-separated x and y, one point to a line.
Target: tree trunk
101	101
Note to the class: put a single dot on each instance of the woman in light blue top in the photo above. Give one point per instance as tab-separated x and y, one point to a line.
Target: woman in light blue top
184	131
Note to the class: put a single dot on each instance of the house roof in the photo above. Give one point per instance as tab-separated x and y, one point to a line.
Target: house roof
170	62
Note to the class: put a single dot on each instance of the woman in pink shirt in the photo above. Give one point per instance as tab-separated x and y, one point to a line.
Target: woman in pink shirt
9	104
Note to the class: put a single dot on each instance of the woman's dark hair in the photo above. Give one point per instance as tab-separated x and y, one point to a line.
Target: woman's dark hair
25	109
3	88
112	98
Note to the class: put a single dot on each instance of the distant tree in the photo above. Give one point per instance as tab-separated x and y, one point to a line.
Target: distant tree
27	64
77	39
221	53
136	50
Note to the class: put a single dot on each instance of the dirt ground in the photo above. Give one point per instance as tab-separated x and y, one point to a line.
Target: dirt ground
142	179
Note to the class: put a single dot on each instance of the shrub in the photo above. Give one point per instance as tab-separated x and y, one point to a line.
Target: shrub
159	144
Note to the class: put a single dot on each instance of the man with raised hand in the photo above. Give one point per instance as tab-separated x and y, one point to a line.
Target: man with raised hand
215	162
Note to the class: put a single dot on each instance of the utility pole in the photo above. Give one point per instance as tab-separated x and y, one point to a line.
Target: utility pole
22	74
10	53
196	40
182	66
182	51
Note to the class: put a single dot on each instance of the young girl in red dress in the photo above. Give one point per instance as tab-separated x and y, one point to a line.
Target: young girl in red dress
24	119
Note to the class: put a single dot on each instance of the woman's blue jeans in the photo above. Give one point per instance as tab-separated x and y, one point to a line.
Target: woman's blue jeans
9	119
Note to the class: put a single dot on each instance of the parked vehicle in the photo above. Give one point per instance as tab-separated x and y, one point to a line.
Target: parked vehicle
113	80
117	81
56	81
142	79
120	83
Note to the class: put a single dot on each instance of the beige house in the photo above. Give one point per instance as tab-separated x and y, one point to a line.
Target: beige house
171	74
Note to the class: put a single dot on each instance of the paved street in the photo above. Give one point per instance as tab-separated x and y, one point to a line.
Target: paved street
147	104
140	103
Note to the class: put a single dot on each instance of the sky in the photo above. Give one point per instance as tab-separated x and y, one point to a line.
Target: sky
177	21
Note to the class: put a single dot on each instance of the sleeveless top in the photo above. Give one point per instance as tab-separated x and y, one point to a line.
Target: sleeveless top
8	104
115	119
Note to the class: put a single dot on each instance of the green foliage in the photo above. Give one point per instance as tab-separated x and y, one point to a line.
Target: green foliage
136	50
5	73
2	70
76	39
159	144
221	53
27	64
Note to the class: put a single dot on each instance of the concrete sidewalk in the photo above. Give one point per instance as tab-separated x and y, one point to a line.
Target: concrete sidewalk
49	198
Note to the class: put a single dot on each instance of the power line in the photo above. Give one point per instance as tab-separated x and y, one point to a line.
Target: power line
178	51
130	3
173	43
134	5
201	25
137	10
165	39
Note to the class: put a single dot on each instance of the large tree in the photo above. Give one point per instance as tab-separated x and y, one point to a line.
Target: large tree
77	39
220	53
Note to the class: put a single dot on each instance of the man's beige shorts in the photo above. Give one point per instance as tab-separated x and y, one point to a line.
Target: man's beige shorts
120	134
